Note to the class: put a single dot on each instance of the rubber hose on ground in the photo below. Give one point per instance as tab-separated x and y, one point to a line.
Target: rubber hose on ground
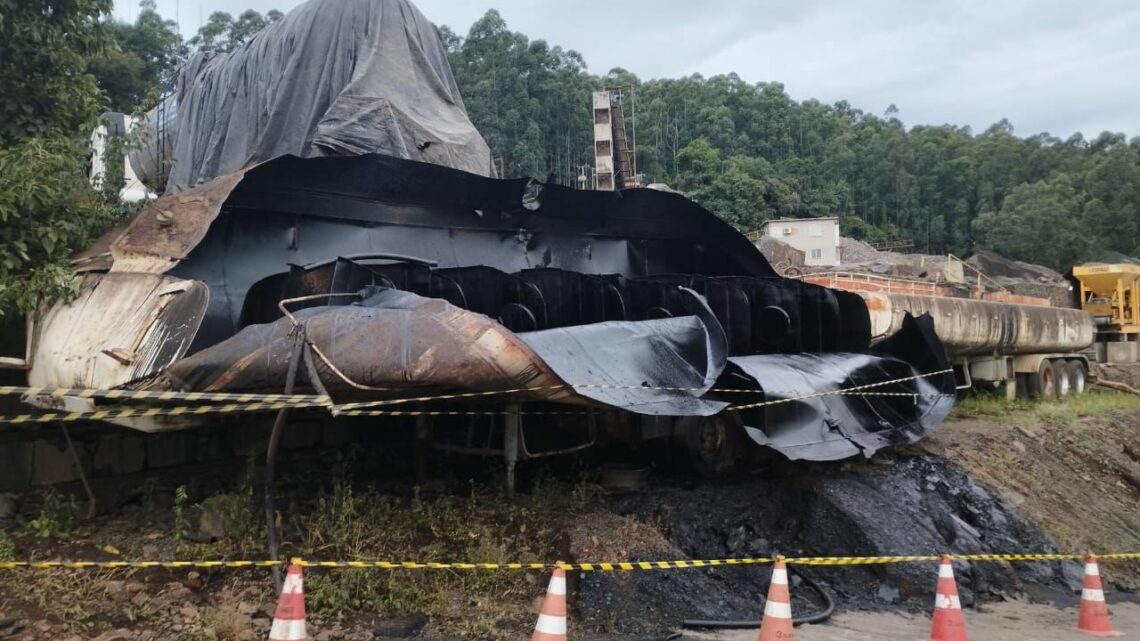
815	617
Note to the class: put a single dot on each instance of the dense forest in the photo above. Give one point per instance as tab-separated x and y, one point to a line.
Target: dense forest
748	152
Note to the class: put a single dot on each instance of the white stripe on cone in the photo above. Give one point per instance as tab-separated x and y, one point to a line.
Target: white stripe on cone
947	602
945	571
778	609
1092	595
557	585
550	624
780	576
292	584
1092	569
287	630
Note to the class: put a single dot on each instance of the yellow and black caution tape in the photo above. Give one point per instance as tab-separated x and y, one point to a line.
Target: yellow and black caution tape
584	567
117	565
141	395
146	412
345	407
272	402
610	566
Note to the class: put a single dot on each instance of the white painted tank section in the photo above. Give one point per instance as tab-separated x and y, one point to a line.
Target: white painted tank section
967	326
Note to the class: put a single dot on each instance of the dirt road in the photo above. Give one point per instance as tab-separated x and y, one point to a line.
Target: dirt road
1011	621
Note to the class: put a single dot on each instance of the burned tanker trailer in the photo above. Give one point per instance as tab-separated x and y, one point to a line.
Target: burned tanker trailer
547	317
328	224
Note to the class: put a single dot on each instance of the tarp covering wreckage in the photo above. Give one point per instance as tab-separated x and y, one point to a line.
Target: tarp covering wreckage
417	279
332	78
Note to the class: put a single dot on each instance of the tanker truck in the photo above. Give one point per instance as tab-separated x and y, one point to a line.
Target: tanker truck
1031	350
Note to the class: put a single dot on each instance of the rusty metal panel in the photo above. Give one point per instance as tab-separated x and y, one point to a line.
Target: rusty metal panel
168	228
120	328
395	342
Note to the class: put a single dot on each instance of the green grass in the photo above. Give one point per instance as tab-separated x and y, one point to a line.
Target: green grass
996	407
480	525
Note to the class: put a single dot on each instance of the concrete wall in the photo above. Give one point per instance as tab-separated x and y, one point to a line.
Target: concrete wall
817	238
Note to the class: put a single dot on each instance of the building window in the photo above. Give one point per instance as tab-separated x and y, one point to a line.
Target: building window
817	253
815	230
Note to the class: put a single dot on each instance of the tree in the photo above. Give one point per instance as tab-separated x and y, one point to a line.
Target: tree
142	61
222	33
49	105
748	151
1040	223
44	46
529	100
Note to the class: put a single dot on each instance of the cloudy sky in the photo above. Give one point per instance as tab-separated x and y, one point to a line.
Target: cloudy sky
1059	66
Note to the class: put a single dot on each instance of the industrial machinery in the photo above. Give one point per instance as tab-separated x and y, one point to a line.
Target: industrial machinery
1110	292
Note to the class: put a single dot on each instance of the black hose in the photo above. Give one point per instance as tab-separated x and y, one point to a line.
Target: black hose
271	453
816	617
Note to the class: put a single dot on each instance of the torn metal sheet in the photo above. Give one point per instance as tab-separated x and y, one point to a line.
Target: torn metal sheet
119	329
824	427
653	367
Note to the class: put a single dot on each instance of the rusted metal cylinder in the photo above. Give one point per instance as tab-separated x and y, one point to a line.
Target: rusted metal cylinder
967	326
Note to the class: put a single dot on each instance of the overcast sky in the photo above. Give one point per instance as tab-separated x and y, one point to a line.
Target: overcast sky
1059	66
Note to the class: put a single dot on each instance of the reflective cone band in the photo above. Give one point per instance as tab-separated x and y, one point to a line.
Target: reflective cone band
551	624
289	620
948	622
1093	619
777	622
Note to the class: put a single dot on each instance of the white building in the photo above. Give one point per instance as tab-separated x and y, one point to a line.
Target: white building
817	238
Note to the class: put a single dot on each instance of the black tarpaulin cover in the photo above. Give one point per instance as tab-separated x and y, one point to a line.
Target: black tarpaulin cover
333	78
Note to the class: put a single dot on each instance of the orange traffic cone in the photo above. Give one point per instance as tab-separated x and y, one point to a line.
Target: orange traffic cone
948	622
777	622
1093	619
551	625
289	620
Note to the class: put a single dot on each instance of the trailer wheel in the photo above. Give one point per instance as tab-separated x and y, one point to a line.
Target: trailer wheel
713	443
1078	377
1046	381
1061	369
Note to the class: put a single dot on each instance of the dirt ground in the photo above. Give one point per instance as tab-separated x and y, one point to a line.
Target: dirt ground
1012	621
1062	477
1076	475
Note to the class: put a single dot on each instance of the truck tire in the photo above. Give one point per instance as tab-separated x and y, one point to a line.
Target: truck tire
1045	382
1061	369
1078	377
714	443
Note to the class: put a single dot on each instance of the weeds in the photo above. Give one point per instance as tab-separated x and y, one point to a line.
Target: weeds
478	526
183	524
7	547
67	595
1064	412
58	516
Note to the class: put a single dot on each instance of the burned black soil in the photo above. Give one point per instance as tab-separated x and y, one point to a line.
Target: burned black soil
914	504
